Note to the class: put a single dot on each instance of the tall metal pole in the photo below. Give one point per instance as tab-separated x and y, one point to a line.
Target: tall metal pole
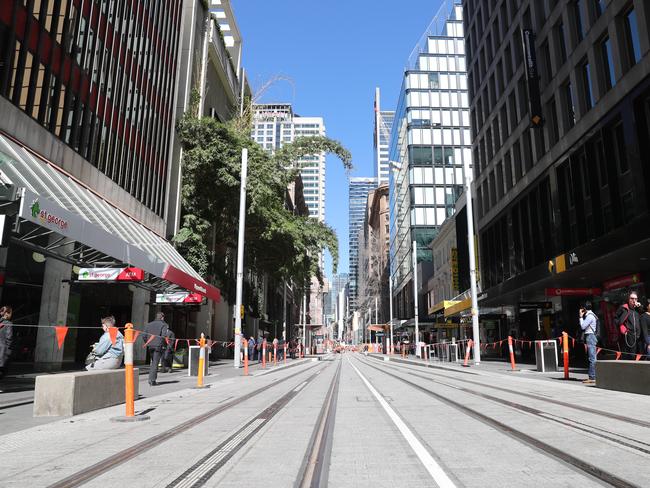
240	253
304	320
472	266
284	310
390	306
415	298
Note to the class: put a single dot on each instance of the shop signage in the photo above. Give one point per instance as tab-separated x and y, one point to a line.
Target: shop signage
46	213
532	79
181	278
454	268
572	292
622	282
179	297
543	305
111	274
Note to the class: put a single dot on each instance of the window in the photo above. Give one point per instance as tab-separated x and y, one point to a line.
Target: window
607	62
577	12
551	124
585	73
599	7
632	34
434	81
621	152
548	68
561	41
569	105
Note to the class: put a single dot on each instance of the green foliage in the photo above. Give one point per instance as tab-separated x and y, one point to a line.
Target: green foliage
278	242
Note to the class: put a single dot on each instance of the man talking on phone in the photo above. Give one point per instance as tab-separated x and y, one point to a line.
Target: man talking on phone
588	324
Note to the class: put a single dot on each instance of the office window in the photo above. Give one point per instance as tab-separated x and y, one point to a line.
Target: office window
561	41
607	62
547	73
599	7
632	35
569	105
585	73
579	21
551	123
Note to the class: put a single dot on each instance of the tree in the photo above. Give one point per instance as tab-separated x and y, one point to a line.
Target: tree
280	243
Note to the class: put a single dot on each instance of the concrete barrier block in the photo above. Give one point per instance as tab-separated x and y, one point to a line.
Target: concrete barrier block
68	394
628	376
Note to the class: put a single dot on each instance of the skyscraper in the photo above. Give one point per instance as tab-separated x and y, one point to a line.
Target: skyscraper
430	144
561	141
276	124
358	197
381	139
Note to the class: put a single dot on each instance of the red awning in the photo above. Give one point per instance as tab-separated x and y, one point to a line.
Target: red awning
181	278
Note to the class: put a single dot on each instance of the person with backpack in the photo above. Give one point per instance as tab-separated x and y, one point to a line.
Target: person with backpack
589	326
154	337
629	325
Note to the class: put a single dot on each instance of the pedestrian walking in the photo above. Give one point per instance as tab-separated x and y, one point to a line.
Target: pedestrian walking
645	327
251	349
107	355
589	325
6	338
629	325
168	354
154	335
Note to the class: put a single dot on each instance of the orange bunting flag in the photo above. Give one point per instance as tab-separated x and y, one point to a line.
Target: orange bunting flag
175	344
573	342
167	340
618	355
112	332
638	356
61	331
136	333
188	343
598	349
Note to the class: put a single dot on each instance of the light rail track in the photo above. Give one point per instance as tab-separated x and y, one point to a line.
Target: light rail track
590	470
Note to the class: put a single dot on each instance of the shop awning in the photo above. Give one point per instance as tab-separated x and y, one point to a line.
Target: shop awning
441	306
458	307
59	203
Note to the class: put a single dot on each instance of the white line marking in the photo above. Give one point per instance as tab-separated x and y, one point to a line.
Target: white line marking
300	386
434	469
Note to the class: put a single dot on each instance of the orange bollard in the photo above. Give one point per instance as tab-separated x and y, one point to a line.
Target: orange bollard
285	353
565	352
300	350
129	394
264	354
199	377
467	351
245	357
512	353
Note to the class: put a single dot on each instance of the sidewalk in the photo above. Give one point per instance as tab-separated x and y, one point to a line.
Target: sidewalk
490	367
17	391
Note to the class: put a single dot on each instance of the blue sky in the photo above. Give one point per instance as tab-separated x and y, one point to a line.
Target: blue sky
334	52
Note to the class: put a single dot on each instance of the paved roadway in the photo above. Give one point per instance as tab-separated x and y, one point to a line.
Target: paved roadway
349	420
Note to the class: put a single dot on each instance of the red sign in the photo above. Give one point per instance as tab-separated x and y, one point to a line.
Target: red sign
181	278
572	292
131	274
622	282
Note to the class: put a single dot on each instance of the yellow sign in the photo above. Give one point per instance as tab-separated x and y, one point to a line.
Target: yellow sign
454	269
241	311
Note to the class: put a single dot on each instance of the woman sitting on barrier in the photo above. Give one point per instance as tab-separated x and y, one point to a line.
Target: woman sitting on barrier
107	355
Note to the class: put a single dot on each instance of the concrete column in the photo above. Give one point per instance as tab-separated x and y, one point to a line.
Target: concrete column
53	311
139	318
3	268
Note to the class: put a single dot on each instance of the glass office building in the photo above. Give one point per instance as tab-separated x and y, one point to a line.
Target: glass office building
357	201
430	146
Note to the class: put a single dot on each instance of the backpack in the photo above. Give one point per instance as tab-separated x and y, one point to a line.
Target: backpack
599	330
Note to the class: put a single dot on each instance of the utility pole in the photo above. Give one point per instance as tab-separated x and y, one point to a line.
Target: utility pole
472	266
284	310
390	306
240	254
304	320
415	298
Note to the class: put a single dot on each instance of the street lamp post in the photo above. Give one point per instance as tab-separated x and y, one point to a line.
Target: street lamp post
415	298
472	266
240	255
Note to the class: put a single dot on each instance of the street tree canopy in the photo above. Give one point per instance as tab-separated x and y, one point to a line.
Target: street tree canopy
278	242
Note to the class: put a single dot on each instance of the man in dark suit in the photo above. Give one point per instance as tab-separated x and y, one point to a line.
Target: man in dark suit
154	336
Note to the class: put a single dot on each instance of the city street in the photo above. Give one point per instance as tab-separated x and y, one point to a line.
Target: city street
349	420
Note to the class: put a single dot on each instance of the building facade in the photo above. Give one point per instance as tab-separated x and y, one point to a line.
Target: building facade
86	168
430	147
276	124
357	200
560	98
381	139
